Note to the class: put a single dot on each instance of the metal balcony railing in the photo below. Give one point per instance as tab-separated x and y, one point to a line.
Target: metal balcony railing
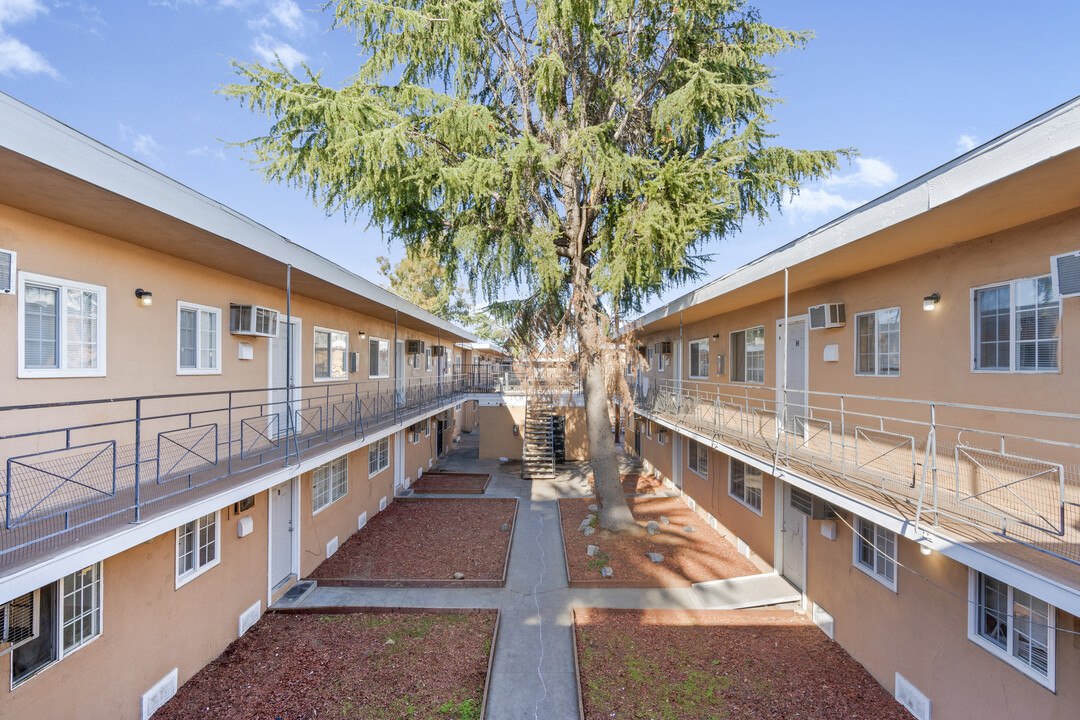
1009	472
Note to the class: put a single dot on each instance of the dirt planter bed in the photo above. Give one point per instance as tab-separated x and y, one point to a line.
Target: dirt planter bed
636	484
345	664
422	542
452	484
689	557
694	664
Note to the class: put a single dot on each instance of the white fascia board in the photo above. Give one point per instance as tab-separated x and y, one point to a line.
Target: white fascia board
74	559
1036	141
1058	595
41	138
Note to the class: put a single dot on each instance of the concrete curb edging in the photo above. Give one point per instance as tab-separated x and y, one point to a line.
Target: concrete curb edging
577	667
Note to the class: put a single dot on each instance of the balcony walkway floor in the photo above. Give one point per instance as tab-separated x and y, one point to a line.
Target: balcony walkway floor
532	672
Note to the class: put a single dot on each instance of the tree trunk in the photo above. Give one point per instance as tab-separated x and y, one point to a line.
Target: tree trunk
615	513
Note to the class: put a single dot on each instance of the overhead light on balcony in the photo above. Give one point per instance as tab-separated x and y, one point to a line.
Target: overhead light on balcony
924	546
145	297
930	301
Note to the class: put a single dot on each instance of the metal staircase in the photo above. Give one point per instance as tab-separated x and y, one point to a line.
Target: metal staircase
537	451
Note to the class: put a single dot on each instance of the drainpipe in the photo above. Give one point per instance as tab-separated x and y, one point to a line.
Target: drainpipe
783	414
289	430
397	382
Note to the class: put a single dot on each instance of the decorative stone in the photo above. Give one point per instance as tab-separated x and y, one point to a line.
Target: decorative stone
459	576
655	557
606	571
589	531
505	527
584	524
593	508
652	527
688	528
665	520
592	550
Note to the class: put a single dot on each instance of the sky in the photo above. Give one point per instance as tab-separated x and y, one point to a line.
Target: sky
908	85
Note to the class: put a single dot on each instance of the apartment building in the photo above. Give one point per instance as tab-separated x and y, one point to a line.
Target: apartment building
194	413
885	412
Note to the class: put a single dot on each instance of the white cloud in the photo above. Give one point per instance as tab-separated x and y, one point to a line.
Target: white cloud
874	172
815	201
964	143
207	151
286	15
16	57
143	145
270	50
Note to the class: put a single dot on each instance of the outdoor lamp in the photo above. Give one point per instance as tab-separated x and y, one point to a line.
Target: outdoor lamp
145	297
930	301
362	334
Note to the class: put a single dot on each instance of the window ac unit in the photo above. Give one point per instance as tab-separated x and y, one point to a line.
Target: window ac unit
18	621
414	347
253	320
416	427
7	272
662	348
829	315
1064	273
661	436
414	437
438	351
811	505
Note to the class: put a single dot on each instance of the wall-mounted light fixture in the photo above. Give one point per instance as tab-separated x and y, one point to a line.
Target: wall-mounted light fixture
930	301
145	297
362	334
924	546
716	336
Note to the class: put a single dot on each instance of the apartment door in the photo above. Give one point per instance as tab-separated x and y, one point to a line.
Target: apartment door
278	379
637	439
439	427
282	546
399	371
796	370
794	542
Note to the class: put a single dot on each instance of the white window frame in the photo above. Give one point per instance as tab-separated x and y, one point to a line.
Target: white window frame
650	354
181	305
61	286
199	569
867	533
337	483
747	468
330	356
427	428
427	359
877	334
745	365
382	450
1049	680
648	429
974	336
378	353
690	354
693	447
59	621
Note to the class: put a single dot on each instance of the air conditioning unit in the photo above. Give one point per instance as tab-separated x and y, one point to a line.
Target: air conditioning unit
416	427
1064	273
414	347
829	315
253	320
7	272
662	348
661	436
811	505
414	437
18	621
438	351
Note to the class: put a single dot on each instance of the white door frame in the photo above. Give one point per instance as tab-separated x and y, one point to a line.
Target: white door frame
805	319
295	549
399	460
297	394
781	501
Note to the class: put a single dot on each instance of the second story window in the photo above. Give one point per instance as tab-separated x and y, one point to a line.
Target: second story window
877	342
198	344
699	359
378	358
61	328
1016	326
331	354
748	355
427	359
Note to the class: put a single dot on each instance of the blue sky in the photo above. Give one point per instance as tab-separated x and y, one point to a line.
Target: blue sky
909	85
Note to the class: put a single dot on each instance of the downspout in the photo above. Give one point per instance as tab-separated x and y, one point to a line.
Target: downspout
397	382
782	426
290	433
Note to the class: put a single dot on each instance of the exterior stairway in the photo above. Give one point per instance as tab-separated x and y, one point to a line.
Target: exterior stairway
537	452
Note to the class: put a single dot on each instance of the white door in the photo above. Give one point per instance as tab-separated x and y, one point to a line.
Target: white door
281	533
796	370
278	379
399	370
399	461
677	461
794	542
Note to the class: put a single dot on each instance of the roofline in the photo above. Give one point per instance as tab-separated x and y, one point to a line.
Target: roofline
46	140
1025	146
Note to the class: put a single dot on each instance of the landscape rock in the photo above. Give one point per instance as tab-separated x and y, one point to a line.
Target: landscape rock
665	520
688	528
505	527
606	571
459	576
593	508
655	557
589	531
592	550
652	527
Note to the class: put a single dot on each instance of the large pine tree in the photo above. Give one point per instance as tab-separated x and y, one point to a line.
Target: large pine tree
580	149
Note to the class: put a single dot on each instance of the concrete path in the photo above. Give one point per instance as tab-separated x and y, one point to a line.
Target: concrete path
533	668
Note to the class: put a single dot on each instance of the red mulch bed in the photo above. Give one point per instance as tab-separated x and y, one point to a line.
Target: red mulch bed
452	483
384	665
688	557
636	483
689	665
427	539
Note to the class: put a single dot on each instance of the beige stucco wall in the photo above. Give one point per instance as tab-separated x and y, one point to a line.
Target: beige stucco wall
497	437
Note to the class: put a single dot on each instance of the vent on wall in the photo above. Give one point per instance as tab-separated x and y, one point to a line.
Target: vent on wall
250	616
7	272
382	503
361	520
331	547
824	621
158	695
1065	274
909	696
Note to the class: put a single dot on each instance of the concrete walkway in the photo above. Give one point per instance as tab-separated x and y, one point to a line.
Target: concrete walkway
533	669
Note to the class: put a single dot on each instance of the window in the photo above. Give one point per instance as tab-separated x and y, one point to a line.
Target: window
877	342
699	359
1016	326
61	328
427	359
744	484
1013	625
698	458
68	617
196	548
378	358
331	354
650	355
875	552
378	456
329	483
648	429
427	428
198	339
748	355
